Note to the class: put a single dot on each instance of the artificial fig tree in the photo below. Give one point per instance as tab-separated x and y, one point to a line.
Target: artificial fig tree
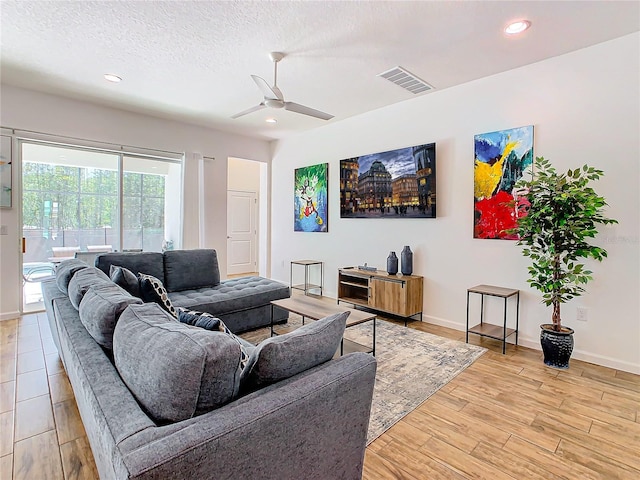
563	215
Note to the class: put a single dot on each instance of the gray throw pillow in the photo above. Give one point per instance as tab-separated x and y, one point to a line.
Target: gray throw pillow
125	278
66	270
82	281
175	371
100	310
284	356
152	290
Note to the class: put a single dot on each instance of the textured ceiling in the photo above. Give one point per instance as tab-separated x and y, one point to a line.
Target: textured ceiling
192	61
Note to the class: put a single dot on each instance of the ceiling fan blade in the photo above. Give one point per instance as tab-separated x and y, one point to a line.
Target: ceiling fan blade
296	107
267	91
250	110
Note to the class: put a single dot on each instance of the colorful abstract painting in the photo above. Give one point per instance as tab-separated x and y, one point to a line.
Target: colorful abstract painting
310	211
501	159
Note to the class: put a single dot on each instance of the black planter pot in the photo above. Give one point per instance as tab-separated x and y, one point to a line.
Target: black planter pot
556	346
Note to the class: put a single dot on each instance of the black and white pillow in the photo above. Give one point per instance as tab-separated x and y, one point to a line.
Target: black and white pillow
209	322
152	290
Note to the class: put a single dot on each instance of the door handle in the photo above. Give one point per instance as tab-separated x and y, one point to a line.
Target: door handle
24	245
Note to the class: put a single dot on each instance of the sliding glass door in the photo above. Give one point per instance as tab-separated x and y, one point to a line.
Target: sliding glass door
150	188
79	202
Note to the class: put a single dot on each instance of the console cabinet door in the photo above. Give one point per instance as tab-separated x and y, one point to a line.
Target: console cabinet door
389	296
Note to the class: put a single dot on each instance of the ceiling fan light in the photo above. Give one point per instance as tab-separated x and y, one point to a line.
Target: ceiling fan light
273	103
271	120
515	28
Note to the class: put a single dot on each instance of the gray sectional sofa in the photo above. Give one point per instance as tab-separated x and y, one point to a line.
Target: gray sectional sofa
165	400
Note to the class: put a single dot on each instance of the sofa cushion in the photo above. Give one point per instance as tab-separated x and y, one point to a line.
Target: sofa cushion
149	263
190	269
174	370
284	356
125	278
231	295
82	281
209	322
66	270
100	310
152	290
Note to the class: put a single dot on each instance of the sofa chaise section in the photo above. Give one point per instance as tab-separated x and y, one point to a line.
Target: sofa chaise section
242	303
192	280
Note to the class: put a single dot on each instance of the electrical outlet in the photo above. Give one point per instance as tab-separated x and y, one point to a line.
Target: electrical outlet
581	314
4	230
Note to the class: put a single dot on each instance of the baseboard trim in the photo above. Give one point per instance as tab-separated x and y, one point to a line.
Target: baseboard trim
9	316
606	361
441	322
534	343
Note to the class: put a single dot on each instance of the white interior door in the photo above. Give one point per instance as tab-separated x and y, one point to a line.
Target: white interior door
242	235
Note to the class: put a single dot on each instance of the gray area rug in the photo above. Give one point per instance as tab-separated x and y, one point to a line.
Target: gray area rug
412	366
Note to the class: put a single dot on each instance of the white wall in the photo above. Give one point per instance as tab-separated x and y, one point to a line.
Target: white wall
34	111
243	175
585	107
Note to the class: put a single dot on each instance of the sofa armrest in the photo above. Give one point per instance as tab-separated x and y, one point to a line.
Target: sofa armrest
313	425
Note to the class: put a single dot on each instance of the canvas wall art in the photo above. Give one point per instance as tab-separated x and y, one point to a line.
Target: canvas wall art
398	183
501	159
311	210
5	172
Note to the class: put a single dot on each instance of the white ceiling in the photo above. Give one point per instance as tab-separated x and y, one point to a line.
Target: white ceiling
192	60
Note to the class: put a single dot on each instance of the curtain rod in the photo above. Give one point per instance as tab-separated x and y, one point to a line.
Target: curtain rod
17	131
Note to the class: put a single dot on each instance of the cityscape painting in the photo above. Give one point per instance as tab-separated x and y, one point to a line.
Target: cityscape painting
395	184
501	158
310	209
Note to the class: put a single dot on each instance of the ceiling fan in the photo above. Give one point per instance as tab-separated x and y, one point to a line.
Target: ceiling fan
273	97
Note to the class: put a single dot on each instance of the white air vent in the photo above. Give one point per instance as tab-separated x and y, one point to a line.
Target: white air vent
406	80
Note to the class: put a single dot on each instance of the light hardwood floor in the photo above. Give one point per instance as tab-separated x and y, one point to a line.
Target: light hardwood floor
504	417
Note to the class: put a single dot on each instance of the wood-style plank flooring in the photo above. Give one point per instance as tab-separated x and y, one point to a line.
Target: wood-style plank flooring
504	417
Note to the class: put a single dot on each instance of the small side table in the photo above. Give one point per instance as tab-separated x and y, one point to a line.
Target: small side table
307	285
487	329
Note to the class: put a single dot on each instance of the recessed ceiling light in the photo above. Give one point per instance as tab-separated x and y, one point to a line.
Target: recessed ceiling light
517	27
271	120
112	78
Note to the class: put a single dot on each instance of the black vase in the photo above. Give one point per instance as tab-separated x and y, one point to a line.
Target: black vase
556	346
392	264
406	261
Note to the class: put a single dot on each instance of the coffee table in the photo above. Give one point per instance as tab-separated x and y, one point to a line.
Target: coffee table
309	307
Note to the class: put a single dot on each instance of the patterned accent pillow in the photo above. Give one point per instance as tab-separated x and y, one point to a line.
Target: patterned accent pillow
152	290
209	322
198	319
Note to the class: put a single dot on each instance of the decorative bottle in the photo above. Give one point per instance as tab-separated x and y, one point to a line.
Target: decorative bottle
406	261
392	264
